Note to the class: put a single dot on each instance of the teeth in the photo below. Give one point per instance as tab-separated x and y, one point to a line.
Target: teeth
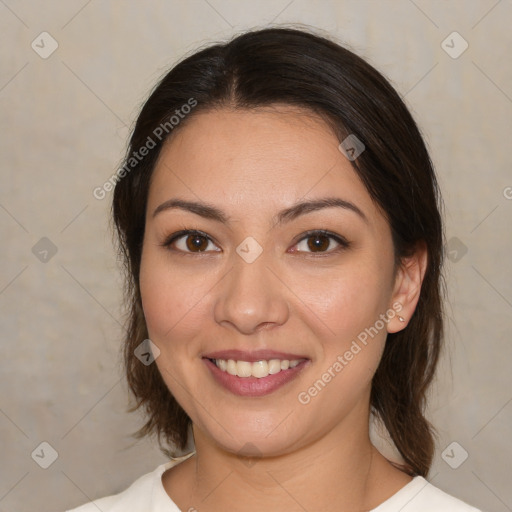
274	366
231	367
243	368
258	369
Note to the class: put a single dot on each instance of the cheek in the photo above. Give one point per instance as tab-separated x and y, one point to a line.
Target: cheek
164	297
351	306
171	309
156	296
175	303
348	359
350	300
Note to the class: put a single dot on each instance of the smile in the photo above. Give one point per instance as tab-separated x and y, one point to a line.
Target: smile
258	369
255	378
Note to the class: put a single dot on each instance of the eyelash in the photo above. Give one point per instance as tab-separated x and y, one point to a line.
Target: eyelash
343	243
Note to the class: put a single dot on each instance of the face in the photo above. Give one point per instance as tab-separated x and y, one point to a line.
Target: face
270	317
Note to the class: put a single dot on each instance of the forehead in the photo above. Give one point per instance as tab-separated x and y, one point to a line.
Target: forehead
267	156
256	139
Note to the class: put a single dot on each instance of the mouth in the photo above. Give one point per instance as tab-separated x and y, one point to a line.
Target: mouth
254	374
259	369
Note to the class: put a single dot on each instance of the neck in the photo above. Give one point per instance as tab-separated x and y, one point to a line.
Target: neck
340	471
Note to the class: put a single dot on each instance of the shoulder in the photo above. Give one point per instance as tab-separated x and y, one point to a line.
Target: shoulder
132	498
144	495
419	495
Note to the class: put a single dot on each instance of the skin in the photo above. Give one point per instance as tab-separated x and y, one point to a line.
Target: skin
251	165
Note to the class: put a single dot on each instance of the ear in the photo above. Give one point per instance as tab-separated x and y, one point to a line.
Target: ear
407	288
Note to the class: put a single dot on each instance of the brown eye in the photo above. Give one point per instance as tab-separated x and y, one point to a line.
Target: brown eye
318	243
190	241
196	242
321	242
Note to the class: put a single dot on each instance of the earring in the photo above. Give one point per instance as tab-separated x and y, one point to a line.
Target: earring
401	318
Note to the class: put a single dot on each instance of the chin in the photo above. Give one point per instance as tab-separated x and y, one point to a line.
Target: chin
251	435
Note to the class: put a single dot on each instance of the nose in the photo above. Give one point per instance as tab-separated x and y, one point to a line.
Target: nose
251	297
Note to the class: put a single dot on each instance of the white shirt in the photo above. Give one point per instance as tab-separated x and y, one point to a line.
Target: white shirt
147	494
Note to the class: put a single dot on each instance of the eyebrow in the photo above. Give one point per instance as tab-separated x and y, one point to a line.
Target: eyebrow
287	215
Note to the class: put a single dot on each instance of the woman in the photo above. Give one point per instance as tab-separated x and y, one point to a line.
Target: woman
280	222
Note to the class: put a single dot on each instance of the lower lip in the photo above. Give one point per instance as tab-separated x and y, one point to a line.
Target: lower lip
252	386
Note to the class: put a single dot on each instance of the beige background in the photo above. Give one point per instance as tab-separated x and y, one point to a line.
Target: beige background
64	122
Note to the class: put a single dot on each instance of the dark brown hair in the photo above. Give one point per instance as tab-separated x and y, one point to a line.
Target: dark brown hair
302	69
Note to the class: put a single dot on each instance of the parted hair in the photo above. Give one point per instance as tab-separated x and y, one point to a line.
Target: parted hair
301	68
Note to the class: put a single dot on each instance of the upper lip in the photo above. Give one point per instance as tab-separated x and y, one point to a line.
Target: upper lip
253	355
